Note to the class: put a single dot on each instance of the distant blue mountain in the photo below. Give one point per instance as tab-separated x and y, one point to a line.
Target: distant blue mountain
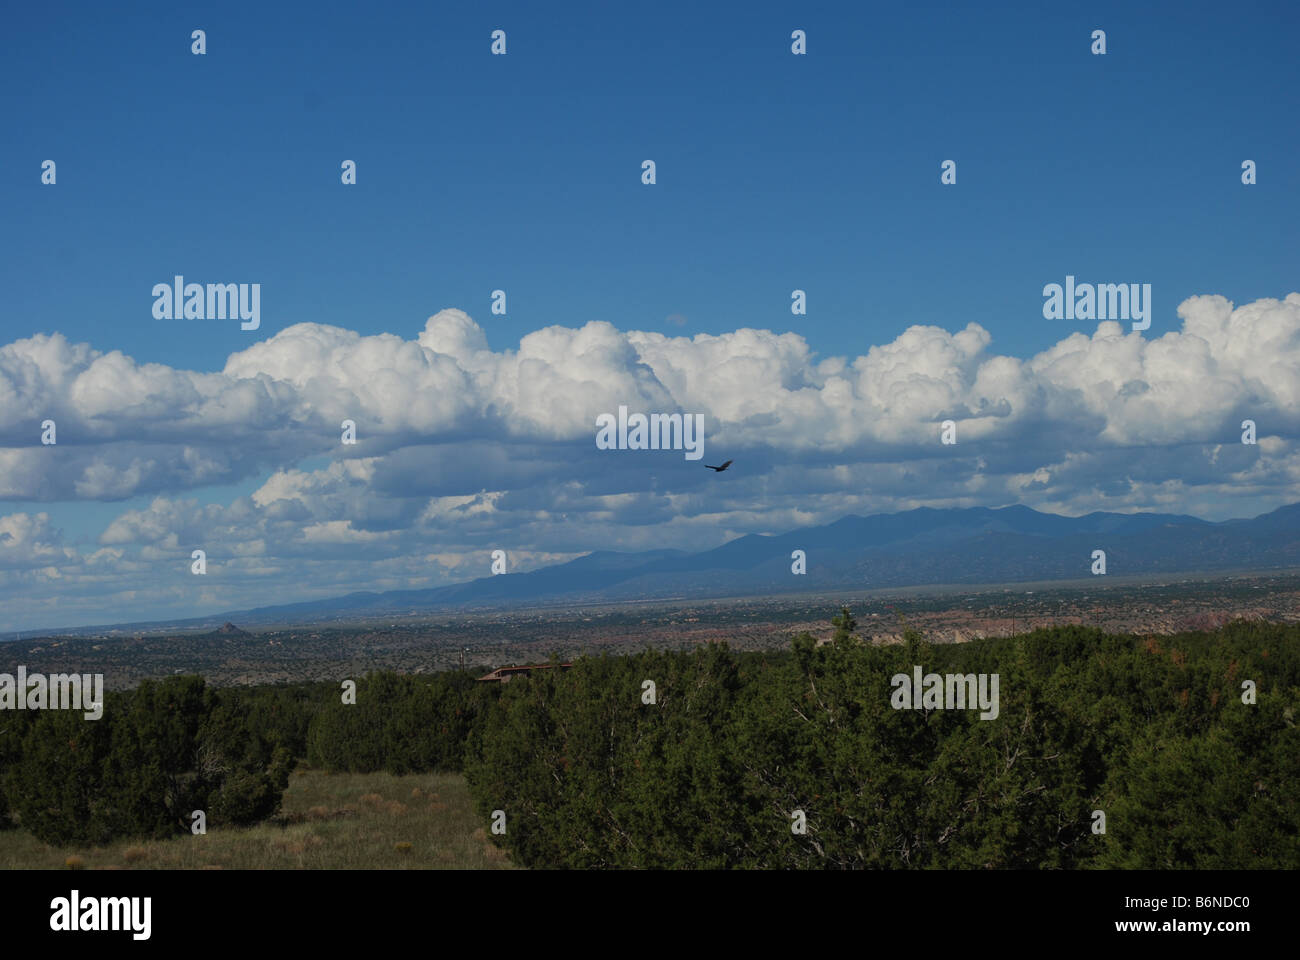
917	547
913	548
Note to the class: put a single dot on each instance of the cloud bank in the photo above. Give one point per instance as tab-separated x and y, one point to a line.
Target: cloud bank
461	449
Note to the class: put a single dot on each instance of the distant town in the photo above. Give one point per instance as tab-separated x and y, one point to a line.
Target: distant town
231	655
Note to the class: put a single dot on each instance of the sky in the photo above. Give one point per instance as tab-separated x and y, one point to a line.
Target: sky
522	172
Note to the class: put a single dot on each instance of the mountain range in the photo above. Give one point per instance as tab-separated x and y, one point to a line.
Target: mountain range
976	545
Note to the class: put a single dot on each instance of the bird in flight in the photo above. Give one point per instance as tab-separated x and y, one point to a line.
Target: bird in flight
721	468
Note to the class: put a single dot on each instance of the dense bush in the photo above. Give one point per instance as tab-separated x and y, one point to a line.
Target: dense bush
13	728
157	754
1153	733
399	723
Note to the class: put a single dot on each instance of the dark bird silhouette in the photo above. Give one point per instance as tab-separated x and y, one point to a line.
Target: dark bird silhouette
721	468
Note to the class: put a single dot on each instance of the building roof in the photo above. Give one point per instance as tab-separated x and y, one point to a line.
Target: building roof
505	673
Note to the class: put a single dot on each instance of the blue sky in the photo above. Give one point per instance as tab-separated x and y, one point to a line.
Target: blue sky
522	172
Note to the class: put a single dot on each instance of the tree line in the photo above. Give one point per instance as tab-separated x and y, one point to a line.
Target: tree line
1107	751
1150	733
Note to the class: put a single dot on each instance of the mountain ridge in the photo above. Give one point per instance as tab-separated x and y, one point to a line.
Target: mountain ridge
926	545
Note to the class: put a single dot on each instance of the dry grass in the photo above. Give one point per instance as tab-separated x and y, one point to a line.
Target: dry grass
327	822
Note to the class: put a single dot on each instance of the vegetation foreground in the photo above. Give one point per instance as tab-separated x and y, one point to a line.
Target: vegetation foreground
1101	751
343	821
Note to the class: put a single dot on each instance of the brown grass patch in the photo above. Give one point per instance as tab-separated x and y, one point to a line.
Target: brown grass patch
442	817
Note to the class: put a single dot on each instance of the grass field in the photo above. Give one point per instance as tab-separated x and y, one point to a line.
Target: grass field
327	821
